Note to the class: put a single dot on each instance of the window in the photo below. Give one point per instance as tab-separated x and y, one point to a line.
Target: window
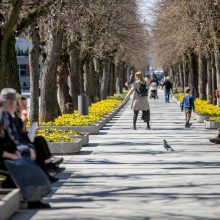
24	70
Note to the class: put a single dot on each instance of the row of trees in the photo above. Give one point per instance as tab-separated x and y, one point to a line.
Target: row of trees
186	42
82	47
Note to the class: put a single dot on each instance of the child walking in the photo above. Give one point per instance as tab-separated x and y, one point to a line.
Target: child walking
188	105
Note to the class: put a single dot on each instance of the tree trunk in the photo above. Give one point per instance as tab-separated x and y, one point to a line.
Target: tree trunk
112	79
214	79
91	86
74	76
202	77
97	78
8	60
118	74
13	80
84	55
217	65
193	73
63	88
181	79
49	103
8	65
34	74
185	71
171	73
209	80
177	75
124	75
88	69
105	80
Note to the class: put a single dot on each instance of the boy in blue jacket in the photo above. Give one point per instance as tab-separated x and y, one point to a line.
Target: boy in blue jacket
188	105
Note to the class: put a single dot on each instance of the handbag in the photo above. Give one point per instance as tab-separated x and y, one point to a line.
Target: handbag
29	178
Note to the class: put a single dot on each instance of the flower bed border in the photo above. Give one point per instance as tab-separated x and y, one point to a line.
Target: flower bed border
92	129
211	124
84	138
201	118
65	147
9	203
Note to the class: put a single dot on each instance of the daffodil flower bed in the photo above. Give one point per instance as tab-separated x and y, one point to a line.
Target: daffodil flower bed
55	135
125	91
203	108
214	119
179	96
117	96
96	112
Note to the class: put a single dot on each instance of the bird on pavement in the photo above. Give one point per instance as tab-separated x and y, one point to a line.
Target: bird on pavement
167	146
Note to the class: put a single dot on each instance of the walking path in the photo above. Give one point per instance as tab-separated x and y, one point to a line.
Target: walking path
127	174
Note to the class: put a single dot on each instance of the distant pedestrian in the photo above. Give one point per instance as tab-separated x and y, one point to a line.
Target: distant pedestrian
140	99
154	78
188	105
168	86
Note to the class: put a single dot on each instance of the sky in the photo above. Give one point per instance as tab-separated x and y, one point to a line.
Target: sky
145	9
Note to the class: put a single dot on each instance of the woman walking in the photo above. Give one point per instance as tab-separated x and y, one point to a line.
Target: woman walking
140	99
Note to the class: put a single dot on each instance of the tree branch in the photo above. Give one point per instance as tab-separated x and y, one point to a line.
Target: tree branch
32	17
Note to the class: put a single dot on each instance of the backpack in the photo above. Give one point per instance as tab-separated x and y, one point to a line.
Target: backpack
143	91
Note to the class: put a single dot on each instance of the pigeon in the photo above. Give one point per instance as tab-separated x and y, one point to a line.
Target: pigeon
167	146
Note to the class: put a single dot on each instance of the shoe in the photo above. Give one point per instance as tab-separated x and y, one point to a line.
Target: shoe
212	140
188	125
134	128
56	160
215	140
53	179
53	168
38	205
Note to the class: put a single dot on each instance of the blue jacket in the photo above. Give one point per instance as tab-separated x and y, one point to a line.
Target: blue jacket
187	103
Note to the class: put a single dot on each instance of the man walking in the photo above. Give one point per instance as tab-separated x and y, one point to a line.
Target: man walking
167	87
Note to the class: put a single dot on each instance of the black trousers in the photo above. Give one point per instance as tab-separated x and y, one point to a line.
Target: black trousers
42	151
145	116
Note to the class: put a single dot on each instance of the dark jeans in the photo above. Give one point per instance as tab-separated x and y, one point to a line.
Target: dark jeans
167	95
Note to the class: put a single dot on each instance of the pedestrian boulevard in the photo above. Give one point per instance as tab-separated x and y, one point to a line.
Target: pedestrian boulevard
127	174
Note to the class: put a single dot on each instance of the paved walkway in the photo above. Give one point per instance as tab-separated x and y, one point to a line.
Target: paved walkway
126	174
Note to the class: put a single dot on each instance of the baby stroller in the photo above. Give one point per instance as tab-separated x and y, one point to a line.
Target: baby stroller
153	91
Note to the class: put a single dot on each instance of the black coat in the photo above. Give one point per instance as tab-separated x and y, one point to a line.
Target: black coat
167	85
6	144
